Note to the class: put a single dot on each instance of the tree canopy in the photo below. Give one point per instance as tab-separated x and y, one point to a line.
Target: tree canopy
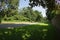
49	4
31	15
8	7
9	3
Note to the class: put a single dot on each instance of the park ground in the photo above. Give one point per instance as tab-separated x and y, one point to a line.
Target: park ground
38	31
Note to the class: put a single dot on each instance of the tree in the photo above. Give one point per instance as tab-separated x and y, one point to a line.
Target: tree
32	16
50	4
38	16
6	7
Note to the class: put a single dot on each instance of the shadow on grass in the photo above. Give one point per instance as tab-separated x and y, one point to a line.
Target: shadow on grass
30	32
12	25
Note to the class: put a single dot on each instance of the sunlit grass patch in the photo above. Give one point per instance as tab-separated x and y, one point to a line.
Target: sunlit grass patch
10	28
44	30
44	24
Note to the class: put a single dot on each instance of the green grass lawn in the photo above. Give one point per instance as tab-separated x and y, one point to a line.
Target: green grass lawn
31	32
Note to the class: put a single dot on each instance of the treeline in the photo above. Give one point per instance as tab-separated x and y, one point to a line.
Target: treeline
26	14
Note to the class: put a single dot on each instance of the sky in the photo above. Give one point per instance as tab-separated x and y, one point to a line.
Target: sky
23	4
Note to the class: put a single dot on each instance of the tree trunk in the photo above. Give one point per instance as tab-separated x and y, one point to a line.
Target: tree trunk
56	21
0	20
56	24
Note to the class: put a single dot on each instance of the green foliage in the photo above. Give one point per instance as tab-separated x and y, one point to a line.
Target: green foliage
13	4
26	14
31	15
44	20
51	14
30	32
8	7
1	15
49	4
